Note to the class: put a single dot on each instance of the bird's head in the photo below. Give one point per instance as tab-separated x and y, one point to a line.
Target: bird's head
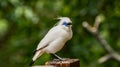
64	21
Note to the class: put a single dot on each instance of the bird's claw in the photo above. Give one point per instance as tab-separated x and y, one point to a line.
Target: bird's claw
61	59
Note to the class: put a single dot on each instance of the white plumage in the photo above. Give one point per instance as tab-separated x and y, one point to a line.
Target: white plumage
55	39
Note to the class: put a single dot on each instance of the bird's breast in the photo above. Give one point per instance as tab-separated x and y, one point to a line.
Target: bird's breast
59	40
55	45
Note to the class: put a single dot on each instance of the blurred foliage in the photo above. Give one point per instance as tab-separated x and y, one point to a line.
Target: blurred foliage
24	23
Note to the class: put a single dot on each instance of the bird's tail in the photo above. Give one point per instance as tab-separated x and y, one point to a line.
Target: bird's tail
37	54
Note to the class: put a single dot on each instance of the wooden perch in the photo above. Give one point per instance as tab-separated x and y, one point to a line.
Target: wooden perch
65	63
58	63
103	42
44	66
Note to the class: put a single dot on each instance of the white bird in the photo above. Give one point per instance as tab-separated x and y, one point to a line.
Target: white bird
55	39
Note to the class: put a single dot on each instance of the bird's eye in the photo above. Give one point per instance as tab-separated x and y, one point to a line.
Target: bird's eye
64	23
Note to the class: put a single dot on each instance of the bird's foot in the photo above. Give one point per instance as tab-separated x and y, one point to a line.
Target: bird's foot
62	59
57	58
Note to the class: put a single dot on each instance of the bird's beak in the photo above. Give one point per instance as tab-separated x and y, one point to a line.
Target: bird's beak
69	24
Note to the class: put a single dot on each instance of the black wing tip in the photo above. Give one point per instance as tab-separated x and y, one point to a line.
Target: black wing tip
31	63
34	52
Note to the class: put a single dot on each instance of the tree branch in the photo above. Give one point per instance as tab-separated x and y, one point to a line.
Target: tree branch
94	31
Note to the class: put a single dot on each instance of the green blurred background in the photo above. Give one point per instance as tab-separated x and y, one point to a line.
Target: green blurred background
23	23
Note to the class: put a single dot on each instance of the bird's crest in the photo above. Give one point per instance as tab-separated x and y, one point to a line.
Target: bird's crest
63	21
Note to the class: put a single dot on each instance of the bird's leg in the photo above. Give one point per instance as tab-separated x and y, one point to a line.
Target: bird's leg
56	56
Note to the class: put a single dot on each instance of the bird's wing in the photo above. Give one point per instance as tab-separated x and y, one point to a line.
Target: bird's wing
49	37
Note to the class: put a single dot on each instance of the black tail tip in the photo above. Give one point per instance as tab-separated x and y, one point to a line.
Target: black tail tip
31	63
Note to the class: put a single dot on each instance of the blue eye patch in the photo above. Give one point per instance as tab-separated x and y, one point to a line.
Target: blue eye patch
65	23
